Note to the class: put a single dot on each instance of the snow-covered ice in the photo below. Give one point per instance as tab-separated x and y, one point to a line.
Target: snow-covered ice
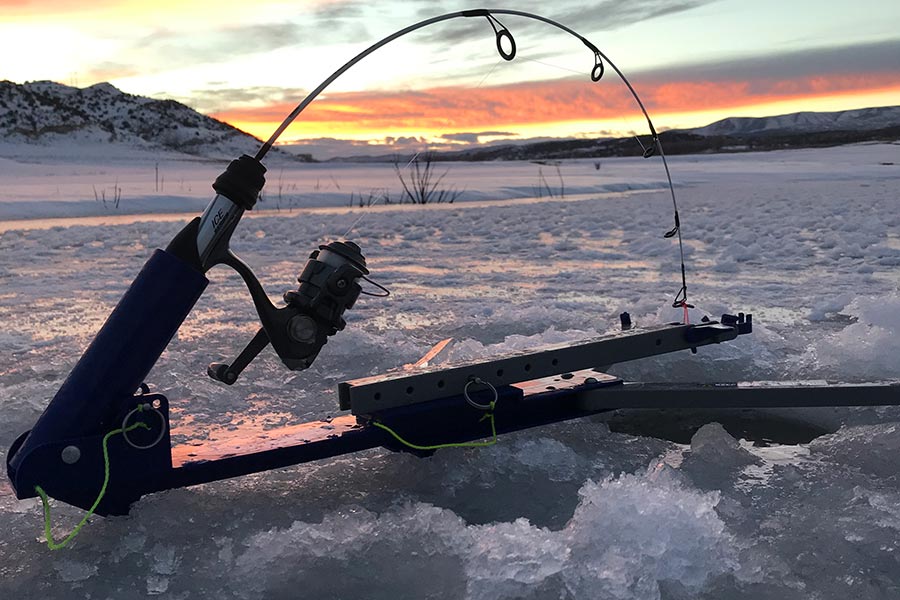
663	505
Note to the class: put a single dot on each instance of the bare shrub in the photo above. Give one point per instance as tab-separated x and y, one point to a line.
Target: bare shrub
375	196
424	183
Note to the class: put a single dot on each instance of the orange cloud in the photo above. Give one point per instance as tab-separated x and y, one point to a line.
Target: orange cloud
533	103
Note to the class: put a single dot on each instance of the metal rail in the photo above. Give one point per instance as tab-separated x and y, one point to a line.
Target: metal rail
372	395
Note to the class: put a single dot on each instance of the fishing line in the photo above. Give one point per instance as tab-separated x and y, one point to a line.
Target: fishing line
552	66
506	47
488	74
377	200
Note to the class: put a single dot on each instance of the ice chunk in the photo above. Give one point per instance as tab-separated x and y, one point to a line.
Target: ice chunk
627	535
713	444
870	347
716	459
413	551
829	305
870	448
165	560
630	533
157	584
507	560
72	570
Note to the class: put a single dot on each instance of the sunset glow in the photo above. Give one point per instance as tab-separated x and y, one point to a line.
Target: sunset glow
558	108
250	64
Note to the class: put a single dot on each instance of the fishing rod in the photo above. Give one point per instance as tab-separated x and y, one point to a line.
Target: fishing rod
104	410
503	36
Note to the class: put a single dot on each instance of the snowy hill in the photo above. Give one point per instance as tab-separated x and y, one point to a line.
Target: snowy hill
44	113
864	119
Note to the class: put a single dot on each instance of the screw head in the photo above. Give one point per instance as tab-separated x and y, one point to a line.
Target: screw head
341	283
70	455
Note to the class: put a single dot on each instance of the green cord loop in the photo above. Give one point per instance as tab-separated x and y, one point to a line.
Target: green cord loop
488	415
53	545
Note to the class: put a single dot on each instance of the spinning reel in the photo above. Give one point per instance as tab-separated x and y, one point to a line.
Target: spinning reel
329	283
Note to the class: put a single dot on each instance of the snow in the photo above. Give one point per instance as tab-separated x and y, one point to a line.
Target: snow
784	504
45	118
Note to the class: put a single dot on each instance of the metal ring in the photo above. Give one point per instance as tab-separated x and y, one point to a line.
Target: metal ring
142	408
597	75
504	33
471	402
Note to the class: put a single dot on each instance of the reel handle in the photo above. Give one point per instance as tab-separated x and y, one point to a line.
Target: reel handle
228	374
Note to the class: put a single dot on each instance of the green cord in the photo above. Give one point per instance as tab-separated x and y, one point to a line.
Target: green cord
491	442
45	501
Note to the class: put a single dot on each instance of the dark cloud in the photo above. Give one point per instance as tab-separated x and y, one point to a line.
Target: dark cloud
404	140
325	148
342	21
612	14
332	23
216	100
579	16
346	21
875	57
343	9
878	57
219	45
474	138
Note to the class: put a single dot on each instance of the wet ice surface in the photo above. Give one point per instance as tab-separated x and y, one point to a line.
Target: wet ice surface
806	240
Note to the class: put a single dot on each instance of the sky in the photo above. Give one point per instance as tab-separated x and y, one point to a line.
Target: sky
691	61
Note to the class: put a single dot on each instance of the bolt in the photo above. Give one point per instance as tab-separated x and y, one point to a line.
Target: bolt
70	455
341	284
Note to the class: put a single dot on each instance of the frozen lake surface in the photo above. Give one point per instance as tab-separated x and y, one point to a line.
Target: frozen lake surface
767	505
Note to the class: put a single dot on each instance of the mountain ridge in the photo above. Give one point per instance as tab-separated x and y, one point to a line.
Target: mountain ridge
734	134
45	112
859	119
